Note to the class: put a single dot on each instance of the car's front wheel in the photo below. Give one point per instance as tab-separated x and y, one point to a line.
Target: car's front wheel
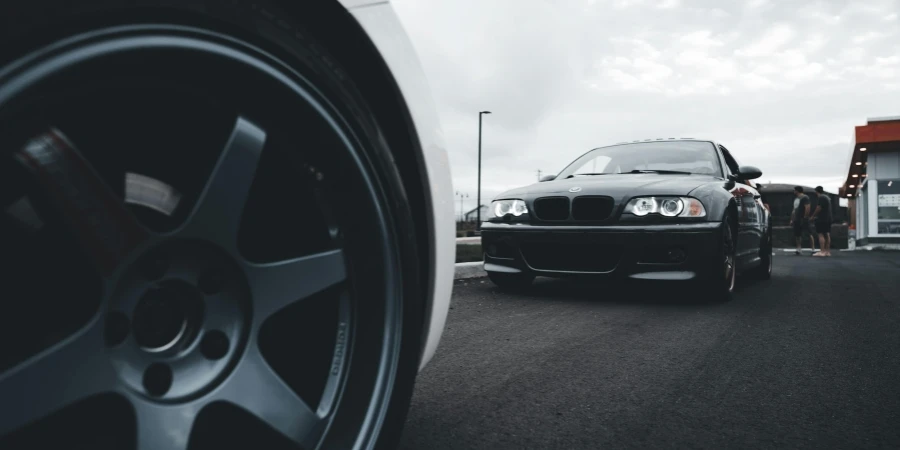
723	274
206	242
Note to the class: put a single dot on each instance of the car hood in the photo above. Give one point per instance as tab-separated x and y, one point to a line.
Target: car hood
615	185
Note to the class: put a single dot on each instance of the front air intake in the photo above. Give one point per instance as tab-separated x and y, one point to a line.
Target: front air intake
551	208
592	207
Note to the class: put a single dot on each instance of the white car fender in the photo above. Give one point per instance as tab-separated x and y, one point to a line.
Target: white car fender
383	27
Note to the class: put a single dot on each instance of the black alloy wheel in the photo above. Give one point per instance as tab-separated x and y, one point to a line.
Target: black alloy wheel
207	249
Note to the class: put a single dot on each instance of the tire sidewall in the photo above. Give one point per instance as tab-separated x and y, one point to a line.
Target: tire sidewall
45	21
721	289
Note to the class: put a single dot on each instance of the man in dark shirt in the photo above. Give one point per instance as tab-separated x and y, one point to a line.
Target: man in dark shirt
800	219
823	218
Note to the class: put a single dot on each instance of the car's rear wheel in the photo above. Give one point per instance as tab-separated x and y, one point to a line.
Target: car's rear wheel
205	240
511	281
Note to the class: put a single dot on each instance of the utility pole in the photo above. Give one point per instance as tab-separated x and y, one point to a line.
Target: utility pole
462	211
539	174
478	203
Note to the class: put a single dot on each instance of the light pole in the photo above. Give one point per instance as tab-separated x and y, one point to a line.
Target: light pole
462	212
478	202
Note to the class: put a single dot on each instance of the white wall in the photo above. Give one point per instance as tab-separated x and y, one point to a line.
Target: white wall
862	222
872	188
881	166
884	166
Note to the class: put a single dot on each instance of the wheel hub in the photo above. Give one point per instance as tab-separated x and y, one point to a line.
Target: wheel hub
177	320
160	318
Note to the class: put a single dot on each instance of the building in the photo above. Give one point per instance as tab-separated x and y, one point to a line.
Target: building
872	186
780	198
472	215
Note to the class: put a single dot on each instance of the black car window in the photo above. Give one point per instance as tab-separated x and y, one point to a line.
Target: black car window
729	160
697	157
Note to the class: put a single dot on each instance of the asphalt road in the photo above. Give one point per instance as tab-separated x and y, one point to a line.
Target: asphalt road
810	359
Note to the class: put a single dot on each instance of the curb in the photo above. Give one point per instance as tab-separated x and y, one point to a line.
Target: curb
475	269
806	250
469	270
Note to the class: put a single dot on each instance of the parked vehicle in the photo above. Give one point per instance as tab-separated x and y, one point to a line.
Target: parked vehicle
665	209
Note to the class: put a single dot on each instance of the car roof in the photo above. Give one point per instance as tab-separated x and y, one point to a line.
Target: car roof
662	139
711	141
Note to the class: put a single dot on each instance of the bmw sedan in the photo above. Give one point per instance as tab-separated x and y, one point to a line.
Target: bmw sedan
664	209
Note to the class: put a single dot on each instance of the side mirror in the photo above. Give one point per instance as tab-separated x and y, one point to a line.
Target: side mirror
749	173
548	178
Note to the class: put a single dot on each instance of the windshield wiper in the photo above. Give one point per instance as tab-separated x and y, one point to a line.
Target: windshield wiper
661	171
580	174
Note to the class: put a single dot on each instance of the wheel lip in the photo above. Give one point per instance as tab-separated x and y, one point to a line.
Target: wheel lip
25	72
730	259
30	70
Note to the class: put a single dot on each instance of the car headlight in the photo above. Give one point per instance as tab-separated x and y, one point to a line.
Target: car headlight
501	208
666	206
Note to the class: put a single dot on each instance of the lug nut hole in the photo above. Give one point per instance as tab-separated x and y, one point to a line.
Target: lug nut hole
214	345
158	379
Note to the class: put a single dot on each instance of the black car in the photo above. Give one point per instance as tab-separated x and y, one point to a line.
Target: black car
664	209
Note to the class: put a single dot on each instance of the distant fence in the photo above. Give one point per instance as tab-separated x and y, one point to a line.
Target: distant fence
465	229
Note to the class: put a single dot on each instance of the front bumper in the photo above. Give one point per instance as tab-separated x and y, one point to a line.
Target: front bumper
649	252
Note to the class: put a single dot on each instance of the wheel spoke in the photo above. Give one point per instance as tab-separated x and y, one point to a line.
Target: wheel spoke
217	214
277	285
164	426
66	373
105	229
256	388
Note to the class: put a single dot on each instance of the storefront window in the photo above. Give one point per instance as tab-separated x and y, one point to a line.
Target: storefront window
888	206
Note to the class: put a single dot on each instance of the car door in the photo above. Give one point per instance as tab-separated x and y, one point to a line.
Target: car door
749	216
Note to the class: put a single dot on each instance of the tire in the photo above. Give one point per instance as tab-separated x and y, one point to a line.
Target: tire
764	271
366	410
723	274
511	281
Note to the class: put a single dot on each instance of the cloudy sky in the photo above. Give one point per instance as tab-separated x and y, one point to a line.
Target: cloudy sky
781	83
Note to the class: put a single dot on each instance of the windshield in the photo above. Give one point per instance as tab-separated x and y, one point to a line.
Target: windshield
696	157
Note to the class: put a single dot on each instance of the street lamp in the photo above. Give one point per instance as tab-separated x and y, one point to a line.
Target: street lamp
478	202
462	211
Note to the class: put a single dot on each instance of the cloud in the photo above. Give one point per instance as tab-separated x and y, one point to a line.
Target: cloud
623	4
870	36
765	77
772	40
814	43
668	4
805	72
700	39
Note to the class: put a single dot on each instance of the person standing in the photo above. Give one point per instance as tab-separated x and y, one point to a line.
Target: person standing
800	219
823	218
